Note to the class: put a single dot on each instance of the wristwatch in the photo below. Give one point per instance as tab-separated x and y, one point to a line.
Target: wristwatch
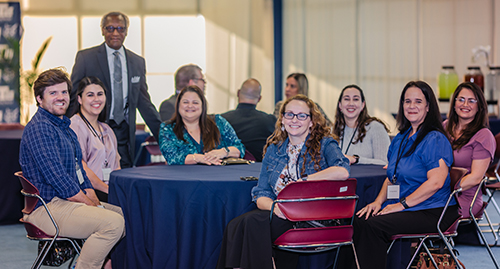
357	158
227	151
403	202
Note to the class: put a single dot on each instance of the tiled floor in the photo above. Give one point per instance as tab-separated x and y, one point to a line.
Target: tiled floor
16	251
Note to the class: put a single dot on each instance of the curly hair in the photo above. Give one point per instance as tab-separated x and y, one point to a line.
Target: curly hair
318	130
362	121
479	122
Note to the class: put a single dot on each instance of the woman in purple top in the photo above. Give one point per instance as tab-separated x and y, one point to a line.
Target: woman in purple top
97	140
472	142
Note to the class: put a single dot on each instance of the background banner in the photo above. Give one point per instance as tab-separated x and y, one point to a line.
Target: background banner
10	34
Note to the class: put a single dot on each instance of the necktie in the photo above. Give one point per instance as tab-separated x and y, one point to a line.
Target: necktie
117	89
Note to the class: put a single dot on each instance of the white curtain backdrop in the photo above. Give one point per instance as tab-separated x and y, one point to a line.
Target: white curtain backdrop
382	44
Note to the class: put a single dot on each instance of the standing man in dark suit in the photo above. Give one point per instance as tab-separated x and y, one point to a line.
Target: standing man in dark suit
124	74
252	126
186	75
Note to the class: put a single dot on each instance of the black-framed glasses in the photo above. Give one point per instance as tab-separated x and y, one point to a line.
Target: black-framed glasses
300	116
111	29
202	79
462	100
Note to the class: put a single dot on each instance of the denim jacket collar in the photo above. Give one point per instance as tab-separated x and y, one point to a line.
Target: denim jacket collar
283	146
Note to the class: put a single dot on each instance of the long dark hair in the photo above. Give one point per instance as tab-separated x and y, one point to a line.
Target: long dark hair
363	119
432	121
318	129
479	122
210	134
84	83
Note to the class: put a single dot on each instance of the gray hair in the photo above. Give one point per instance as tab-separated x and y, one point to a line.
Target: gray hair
113	14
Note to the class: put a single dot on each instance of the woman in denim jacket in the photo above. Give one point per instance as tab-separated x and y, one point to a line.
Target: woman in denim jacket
300	148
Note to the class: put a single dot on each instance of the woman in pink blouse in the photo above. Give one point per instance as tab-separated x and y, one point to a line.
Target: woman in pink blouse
472	142
97	140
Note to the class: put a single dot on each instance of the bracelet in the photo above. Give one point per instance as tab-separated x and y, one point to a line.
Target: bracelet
356	157
403	202
194	159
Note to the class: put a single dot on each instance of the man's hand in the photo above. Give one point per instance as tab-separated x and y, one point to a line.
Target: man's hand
80	197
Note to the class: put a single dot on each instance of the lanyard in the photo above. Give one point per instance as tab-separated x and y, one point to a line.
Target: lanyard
92	130
72	144
400	155
350	142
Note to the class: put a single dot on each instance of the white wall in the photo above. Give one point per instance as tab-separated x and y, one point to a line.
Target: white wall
382	44
237	42
378	44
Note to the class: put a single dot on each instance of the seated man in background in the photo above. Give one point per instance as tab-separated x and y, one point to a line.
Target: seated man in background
186	75
51	159
252	126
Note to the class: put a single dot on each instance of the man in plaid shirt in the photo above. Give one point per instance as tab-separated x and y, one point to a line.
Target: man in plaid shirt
51	159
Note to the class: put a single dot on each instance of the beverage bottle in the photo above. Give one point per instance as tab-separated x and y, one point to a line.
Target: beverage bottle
447	82
475	76
492	84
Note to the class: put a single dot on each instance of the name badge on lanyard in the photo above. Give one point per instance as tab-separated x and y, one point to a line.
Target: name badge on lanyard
105	174
106	170
393	189
393	192
79	173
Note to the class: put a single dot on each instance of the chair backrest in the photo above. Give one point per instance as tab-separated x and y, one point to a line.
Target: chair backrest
28	188
497	150
456	174
318	200
152	146
249	156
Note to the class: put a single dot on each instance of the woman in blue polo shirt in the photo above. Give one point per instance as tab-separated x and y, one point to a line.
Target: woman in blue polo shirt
301	148
418	184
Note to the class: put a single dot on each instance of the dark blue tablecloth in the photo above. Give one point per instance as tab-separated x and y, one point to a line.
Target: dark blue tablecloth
175	215
495	125
11	199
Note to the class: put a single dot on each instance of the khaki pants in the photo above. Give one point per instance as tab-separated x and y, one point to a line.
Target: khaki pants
101	227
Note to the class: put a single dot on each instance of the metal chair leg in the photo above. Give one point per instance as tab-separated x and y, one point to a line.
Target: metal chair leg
450	249
430	256
38	261
486	243
355	255
390	246
416	252
492	230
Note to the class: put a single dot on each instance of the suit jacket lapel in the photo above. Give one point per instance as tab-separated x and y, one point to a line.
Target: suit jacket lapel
102	59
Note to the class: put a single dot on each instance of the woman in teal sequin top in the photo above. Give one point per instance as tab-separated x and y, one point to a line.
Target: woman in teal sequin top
192	136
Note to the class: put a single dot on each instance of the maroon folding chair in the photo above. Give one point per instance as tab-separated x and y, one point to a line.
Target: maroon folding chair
478	216
249	156
456	174
312	201
492	185
31	198
152	147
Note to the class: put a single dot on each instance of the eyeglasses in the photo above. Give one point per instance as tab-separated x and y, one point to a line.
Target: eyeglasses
111	29
300	116
203	80
462	100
